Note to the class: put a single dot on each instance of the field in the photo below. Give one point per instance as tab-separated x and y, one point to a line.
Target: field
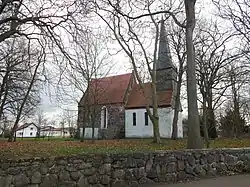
59	147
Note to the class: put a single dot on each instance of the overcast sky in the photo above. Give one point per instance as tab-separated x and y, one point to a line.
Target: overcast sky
53	108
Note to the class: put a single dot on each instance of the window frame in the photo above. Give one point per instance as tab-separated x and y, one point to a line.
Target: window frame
104	117
134	118
146	118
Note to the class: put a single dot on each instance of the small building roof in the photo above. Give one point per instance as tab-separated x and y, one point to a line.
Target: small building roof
25	125
51	128
138	99
107	90
45	128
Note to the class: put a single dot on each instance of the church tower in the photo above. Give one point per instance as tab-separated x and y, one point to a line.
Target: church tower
166	72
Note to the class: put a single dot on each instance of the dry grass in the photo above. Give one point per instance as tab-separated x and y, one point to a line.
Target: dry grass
36	148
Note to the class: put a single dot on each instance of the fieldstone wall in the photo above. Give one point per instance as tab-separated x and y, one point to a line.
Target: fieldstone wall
116	123
120	170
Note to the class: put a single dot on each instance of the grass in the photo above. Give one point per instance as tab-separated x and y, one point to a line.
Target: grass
27	148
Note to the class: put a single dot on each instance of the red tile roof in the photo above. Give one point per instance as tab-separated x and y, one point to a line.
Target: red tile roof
137	99
108	90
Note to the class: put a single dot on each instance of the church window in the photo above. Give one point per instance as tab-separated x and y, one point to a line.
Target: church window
104	117
134	119
146	118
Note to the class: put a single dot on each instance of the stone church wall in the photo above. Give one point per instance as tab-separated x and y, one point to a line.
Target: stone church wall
116	123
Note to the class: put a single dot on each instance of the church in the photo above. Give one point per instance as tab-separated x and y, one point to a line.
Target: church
114	106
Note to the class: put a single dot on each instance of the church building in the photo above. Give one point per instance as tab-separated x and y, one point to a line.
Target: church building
115	105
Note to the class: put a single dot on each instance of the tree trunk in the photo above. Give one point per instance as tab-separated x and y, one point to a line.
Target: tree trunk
194	138
177	105
155	121
93	133
210	116
156	129
86	113
93	125
44	134
83	133
78	132
205	128
49	134
4	89
237	121
63	132
155	117
237	129
175	124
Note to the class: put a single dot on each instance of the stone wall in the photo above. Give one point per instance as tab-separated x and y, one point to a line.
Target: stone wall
118	170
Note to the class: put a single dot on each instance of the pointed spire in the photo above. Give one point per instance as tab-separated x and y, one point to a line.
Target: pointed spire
164	55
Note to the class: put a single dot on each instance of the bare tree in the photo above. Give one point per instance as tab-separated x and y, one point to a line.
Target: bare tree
62	127
5	126
237	128
88	62
33	62
211	59
33	19
91	109
40	121
11	67
177	39
237	81
48	23
16	68
133	36
43	23
70	118
237	13
213	55
118	15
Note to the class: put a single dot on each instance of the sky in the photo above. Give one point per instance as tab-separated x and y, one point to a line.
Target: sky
53	109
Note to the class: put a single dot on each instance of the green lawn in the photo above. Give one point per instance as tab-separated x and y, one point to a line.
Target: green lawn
41	148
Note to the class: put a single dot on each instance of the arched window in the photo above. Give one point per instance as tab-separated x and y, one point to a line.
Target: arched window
104	117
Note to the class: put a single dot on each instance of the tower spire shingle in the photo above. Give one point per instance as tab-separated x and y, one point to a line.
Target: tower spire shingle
164	55
166	73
